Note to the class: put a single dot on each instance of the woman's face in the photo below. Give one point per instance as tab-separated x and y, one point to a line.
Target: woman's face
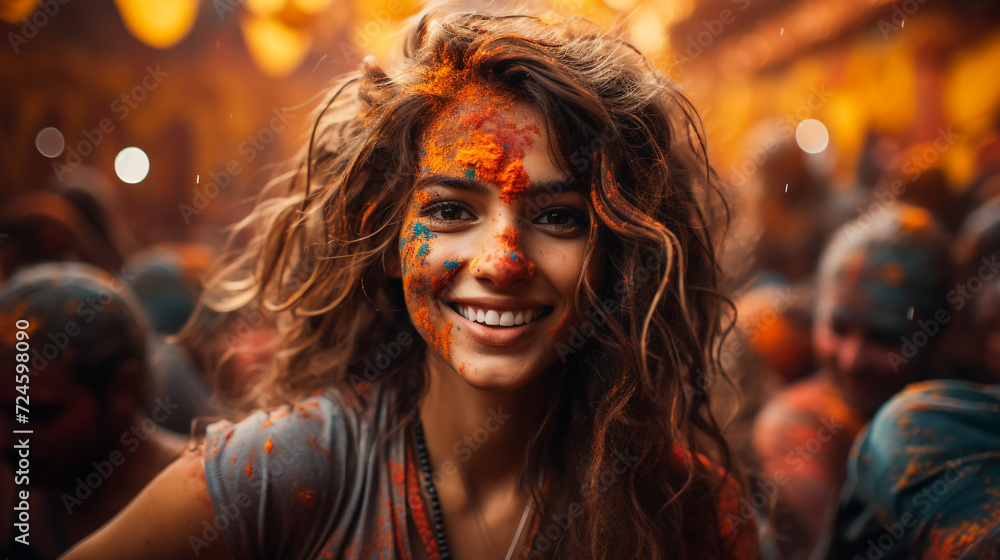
492	245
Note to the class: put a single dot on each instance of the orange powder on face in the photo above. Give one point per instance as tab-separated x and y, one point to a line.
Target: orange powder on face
513	256
471	138
562	319
440	341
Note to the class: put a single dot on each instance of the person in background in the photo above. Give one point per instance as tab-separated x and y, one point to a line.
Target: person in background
92	449
878	282
166	279
924	480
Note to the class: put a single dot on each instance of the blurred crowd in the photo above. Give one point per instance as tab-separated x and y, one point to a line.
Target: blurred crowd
867	352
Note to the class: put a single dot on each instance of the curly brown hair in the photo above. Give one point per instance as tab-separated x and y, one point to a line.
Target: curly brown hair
312	254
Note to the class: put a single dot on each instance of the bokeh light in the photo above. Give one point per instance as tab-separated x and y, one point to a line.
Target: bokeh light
50	142
132	165
812	136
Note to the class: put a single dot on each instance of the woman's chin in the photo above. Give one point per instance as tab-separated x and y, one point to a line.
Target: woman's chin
495	374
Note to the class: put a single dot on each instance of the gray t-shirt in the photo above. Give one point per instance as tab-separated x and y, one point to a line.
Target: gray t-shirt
312	481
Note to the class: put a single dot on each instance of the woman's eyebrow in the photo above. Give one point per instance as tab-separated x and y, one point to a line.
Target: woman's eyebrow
475	186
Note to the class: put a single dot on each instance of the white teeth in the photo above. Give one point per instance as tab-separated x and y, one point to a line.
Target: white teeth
492	317
499	318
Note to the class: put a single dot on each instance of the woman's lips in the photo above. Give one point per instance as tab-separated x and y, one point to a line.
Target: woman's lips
496	336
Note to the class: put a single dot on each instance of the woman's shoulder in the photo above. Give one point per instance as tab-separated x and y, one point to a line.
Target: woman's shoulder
312	430
287	465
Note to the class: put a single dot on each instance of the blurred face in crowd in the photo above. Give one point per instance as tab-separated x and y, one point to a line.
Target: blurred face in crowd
866	332
69	427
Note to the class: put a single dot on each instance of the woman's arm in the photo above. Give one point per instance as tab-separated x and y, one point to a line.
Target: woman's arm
171	518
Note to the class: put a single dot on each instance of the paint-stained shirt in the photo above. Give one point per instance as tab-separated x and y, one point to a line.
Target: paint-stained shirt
924	480
312	481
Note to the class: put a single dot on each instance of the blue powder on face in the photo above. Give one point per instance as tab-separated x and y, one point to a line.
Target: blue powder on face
505	146
450	264
424	249
420	230
513	256
470	173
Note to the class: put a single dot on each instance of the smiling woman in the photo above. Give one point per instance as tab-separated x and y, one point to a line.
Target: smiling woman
528	201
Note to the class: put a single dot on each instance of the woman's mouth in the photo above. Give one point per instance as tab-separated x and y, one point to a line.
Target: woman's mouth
496	327
499	317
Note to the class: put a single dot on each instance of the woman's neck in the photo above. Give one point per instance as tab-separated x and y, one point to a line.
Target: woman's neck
477	435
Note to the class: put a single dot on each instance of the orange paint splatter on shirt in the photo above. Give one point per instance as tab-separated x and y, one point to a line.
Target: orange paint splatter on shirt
233	462
249	468
268	446
320	448
396	472
272	419
306	498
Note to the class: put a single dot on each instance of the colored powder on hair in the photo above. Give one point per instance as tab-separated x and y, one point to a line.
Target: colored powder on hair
471	135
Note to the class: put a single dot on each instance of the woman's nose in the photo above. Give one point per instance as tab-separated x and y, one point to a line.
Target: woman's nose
502	260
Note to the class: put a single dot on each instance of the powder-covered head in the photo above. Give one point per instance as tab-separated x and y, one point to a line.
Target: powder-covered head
87	339
881	281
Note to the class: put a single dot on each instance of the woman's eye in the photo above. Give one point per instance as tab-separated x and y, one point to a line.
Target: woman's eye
562	218
447	212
